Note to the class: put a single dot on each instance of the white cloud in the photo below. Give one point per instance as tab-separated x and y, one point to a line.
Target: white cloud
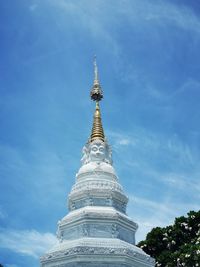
182	16
90	16
144	152
121	139
166	207
32	171
101	20
165	192
182	182
152	214
154	144
29	242
124	141
160	12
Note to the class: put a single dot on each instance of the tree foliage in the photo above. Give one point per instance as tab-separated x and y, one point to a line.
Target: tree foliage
176	245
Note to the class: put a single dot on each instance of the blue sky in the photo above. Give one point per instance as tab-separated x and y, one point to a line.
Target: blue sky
148	58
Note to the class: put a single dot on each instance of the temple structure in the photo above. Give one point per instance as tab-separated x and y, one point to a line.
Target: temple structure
97	231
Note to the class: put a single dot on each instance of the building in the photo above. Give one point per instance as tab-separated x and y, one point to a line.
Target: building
96	232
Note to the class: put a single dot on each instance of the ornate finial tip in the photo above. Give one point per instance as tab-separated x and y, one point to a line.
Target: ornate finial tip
96	93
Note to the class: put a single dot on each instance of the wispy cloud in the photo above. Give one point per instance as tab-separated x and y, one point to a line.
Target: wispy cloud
183	182
91	18
162	158
29	242
102	18
124	142
152	214
181	16
160	12
168	207
120	139
166	170
155	159
148	143
39	169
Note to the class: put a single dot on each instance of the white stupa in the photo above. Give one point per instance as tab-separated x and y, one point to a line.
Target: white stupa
97	231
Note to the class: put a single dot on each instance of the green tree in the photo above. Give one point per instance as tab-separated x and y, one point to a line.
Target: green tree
176	245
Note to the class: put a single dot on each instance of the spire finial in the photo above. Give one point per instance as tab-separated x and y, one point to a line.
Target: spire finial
96	78
96	92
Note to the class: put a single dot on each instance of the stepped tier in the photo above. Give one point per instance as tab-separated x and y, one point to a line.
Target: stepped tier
96	252
96	232
97	187
97	222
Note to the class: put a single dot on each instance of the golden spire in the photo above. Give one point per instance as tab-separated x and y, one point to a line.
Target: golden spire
96	95
97	128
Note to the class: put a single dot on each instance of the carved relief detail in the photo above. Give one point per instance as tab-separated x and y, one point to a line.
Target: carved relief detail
99	250
85	230
115	231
